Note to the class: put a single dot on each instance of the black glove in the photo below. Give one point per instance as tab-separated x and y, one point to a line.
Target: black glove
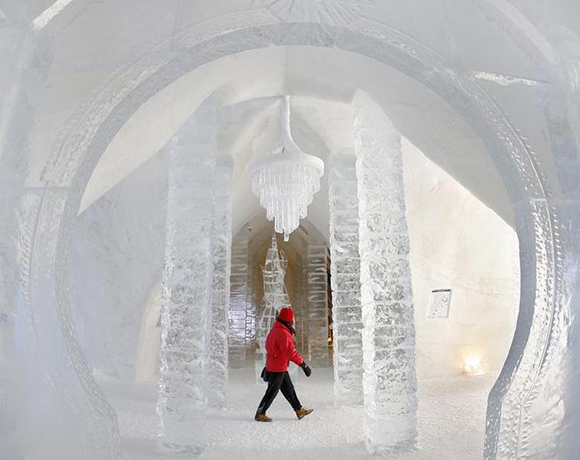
306	369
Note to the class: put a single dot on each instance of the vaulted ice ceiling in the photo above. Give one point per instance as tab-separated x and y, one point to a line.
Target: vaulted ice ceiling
322	83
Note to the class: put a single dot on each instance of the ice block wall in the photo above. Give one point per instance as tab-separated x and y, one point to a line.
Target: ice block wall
187	287
241	313
222	260
345	280
299	305
317	305
389	380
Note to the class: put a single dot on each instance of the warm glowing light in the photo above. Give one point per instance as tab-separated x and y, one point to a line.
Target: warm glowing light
473	366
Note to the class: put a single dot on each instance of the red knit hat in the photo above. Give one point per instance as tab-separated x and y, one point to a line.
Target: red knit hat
286	314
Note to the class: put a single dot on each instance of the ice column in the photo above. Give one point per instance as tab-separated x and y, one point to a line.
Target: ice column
389	379
187	284
345	280
241	314
317	305
221	248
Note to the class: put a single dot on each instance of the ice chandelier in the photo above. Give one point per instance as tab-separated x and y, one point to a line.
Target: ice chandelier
286	179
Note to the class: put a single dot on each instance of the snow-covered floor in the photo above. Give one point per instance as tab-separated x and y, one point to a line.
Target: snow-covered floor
451	421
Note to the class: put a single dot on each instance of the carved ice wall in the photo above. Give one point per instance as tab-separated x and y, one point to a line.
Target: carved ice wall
187	285
345	280
317	304
299	304
51	393
242	315
17	112
389	379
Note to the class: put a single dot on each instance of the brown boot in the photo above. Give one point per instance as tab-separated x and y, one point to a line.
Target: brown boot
262	418
301	413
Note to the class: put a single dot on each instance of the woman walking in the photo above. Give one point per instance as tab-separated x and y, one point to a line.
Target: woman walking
280	351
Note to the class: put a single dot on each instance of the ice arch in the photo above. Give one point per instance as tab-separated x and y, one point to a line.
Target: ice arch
418	114
544	203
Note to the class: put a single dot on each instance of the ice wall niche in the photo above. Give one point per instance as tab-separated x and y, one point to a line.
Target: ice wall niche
389	379
345	280
187	285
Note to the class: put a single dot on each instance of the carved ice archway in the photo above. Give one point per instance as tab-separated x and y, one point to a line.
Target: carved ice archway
70	165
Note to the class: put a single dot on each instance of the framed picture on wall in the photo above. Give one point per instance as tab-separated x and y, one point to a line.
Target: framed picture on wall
439	303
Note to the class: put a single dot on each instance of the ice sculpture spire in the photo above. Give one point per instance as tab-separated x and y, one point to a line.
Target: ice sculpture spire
275	297
389	379
187	284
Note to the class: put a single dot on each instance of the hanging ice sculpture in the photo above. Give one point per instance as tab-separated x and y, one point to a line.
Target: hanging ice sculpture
275	297
286	179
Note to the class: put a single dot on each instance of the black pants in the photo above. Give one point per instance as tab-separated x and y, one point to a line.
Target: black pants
279	381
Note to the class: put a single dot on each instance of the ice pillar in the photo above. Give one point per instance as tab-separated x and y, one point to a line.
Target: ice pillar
389	379
345	280
187	284
221	251
317	305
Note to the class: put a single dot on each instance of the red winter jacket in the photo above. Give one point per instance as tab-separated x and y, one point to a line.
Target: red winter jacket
280	349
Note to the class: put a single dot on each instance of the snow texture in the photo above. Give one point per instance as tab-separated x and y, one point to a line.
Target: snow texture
345	280
389	379
187	284
449	406
317	312
222	260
